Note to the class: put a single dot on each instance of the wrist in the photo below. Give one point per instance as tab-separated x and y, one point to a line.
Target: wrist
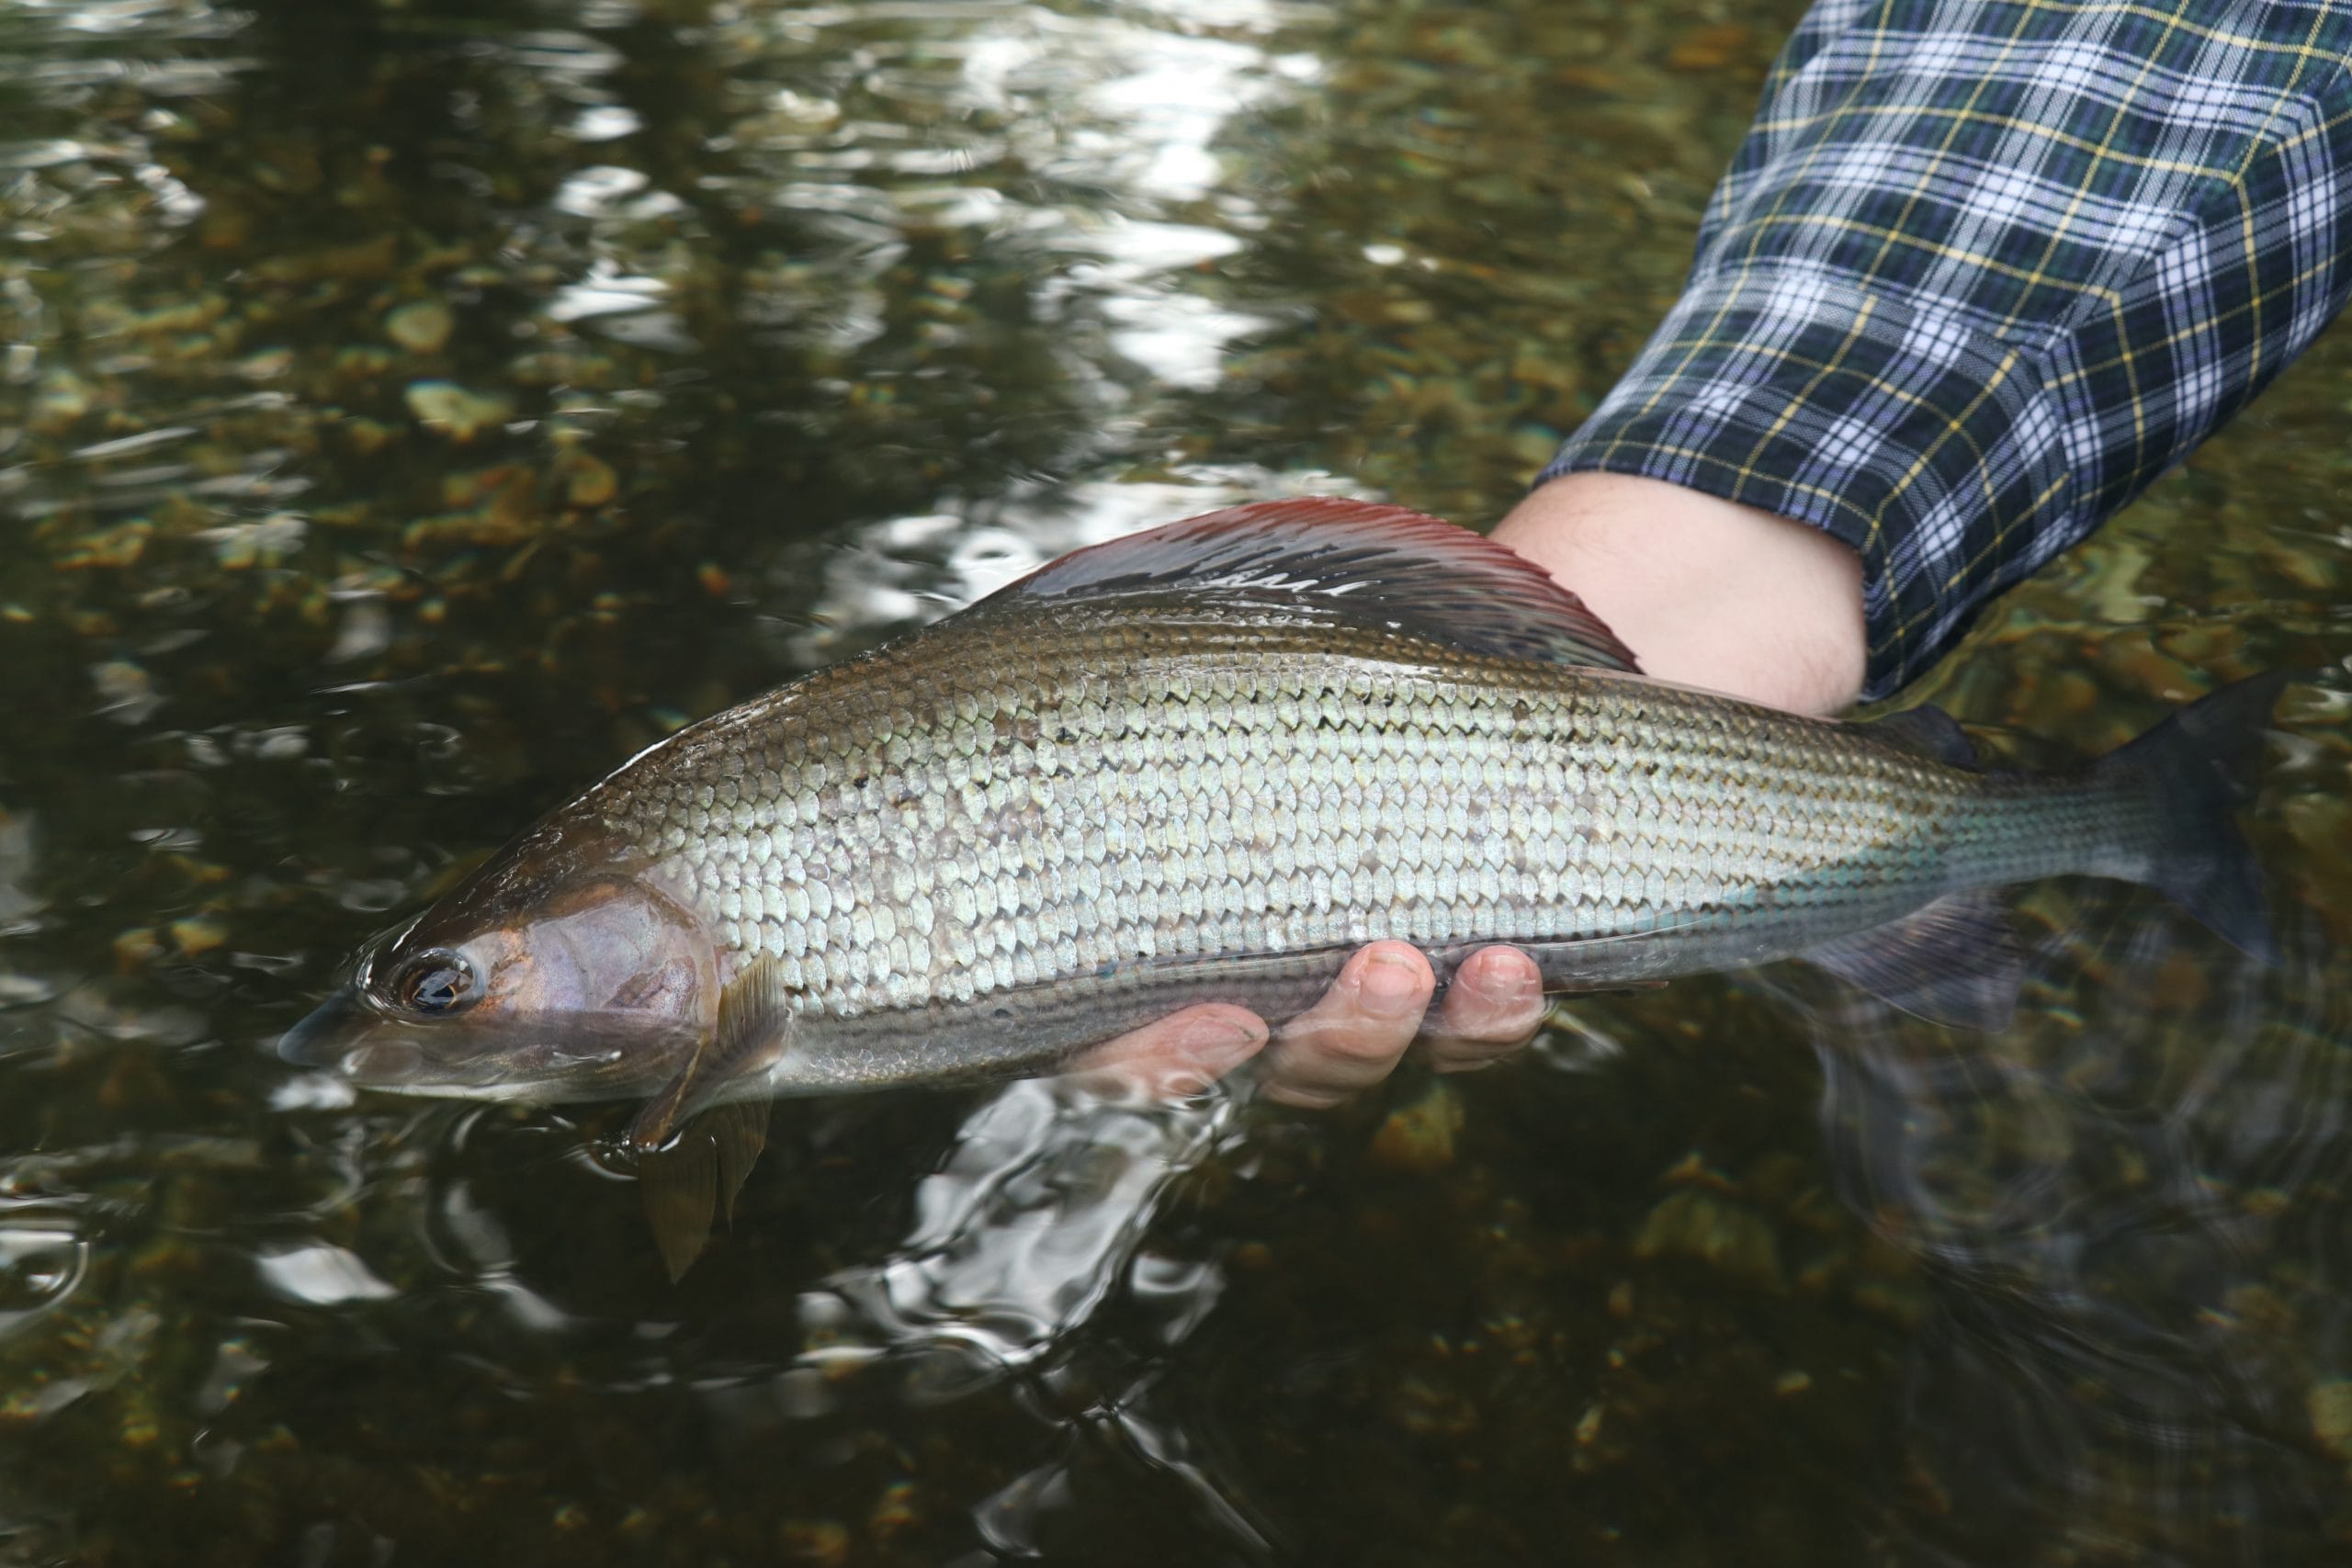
1707	592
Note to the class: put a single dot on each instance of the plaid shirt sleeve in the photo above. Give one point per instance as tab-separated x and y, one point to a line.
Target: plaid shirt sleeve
1983	269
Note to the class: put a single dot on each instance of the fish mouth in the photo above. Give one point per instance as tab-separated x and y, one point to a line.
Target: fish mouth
344	1036
324	1037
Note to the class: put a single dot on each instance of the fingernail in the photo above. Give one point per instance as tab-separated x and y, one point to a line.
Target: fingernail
1390	984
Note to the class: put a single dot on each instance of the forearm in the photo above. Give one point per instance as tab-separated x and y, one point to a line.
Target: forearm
1706	593
1933	319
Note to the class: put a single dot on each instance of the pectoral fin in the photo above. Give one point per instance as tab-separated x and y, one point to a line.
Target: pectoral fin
1956	961
694	1148
753	1019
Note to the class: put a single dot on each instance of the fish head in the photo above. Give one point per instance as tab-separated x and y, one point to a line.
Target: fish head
532	981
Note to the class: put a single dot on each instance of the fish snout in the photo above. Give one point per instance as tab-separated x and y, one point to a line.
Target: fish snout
322	1039
342	1036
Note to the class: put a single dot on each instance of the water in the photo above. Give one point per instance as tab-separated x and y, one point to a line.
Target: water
409	409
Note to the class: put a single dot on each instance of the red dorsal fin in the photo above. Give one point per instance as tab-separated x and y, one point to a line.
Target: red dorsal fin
1350	559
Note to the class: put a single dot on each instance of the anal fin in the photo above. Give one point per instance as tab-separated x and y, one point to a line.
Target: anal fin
1956	962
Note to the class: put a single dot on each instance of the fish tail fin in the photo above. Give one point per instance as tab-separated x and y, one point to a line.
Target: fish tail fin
2198	767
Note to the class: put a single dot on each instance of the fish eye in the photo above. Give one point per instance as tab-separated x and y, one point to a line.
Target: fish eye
436	982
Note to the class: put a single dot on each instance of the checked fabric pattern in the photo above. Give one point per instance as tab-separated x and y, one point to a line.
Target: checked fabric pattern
1983	269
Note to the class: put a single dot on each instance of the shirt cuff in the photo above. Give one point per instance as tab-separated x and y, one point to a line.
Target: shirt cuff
1932	449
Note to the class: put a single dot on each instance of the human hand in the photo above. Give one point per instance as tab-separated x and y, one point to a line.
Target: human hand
1350	1040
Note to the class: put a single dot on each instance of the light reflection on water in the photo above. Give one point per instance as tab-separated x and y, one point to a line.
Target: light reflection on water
407	412
1042	1209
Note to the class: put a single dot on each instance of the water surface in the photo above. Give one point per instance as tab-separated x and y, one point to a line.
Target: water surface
407	410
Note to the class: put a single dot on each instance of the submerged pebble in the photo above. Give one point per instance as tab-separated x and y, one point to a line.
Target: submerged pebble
453	411
1716	1231
2330	1407
1418	1137
420	327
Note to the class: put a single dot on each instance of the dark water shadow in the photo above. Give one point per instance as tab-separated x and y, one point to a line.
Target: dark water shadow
2129	1211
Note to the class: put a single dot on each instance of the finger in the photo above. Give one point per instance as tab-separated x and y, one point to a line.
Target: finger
1491	1010
1176	1056
1353	1038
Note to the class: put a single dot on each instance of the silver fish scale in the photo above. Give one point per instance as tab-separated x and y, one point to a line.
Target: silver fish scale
1036	816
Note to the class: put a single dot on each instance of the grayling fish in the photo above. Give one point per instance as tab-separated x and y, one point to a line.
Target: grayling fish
1207	763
